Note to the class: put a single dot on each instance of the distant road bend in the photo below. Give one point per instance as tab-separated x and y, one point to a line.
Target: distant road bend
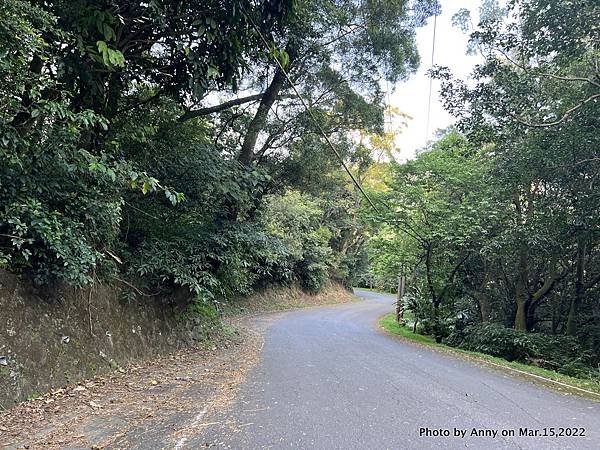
328	378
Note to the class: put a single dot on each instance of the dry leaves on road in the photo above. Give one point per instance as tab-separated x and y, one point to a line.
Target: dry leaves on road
118	409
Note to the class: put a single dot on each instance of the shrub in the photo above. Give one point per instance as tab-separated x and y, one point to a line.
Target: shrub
495	340
203	310
295	219
561	353
203	318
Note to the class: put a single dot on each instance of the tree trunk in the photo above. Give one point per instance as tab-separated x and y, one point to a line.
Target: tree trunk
521	316
571	328
522	296
437	326
260	118
201	112
522	290
23	117
485	309
399	304
536	298
479	294
429	275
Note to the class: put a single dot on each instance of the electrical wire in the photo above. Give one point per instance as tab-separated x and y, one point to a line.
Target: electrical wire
314	119
430	79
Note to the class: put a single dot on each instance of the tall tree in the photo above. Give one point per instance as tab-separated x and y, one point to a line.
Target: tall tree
336	52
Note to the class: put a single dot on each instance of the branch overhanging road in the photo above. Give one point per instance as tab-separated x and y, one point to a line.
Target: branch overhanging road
328	378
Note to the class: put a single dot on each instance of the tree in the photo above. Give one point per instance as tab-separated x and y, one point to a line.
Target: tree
321	37
535	99
438	201
107	103
71	72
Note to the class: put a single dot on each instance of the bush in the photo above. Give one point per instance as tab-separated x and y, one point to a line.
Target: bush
494	340
295	219
561	353
426	320
202	318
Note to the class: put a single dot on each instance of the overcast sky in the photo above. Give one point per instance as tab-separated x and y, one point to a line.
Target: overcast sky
411	96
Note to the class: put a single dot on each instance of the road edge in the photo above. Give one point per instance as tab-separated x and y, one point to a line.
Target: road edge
561	387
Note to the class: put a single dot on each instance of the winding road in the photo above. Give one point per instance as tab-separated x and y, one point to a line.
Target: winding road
329	378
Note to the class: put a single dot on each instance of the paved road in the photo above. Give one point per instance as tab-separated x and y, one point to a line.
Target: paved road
329	379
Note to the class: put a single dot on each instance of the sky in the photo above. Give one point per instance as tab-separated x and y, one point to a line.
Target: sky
411	96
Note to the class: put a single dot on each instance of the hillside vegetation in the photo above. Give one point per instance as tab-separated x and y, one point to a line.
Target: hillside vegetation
160	143
162	147
495	225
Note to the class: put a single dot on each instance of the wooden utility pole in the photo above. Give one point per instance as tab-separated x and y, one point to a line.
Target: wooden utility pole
399	303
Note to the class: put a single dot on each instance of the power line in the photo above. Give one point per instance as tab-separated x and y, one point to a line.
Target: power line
430	79
314	119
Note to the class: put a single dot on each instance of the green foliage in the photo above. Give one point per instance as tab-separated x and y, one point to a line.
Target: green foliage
495	222
439	215
203	310
296	219
389	252
422	312
71	71
101	174
389	323
58	227
203	318
317	260
561	353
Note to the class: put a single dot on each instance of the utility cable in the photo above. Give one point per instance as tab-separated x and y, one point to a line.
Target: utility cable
430	79
314	119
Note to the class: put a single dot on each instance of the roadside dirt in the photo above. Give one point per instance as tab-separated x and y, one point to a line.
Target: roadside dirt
162	401
166	398
287	298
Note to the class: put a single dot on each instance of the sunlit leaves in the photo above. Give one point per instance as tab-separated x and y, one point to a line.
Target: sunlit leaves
110	57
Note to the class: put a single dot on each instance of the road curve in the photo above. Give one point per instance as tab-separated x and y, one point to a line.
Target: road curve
328	378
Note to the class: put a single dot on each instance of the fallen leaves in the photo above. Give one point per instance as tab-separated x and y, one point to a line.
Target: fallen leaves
61	417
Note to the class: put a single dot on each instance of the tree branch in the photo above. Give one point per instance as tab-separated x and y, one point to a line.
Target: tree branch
548	74
452	274
216	108
558	121
550	282
594	281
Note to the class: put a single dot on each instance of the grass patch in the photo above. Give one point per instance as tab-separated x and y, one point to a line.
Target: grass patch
389	324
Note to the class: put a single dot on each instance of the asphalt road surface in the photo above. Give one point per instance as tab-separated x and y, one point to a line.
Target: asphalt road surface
329	378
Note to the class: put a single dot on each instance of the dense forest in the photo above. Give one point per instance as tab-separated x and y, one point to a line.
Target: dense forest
495	225
160	142
200	145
